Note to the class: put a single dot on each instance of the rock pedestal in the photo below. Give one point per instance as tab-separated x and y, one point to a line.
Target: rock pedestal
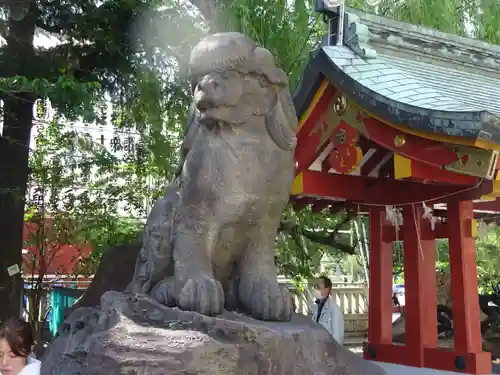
132	334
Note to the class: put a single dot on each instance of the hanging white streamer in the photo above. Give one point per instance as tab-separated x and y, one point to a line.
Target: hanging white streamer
428	214
394	216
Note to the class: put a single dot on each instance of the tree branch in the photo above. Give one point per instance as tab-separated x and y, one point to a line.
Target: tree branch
328	240
49	28
326	237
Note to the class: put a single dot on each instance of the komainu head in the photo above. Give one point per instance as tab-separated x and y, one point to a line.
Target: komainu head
234	80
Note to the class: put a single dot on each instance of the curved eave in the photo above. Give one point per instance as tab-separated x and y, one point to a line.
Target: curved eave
473	125
309	85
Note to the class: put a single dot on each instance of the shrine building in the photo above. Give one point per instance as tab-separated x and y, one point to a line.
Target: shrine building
402	123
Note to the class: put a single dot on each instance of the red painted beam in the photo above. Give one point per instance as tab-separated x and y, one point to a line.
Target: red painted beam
434	358
416	148
389	353
382	191
445	359
429	173
311	134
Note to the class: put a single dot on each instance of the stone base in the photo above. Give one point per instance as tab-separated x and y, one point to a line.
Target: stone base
132	334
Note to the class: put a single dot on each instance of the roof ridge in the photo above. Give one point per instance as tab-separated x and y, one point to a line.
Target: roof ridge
393	34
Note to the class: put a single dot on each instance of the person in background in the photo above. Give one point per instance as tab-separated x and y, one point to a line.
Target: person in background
326	311
16	342
395	301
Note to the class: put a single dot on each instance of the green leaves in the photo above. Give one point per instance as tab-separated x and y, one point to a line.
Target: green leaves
122	63
477	19
306	238
82	211
66	94
290	30
488	259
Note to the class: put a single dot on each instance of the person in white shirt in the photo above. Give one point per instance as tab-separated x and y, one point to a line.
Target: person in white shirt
326	312
16	342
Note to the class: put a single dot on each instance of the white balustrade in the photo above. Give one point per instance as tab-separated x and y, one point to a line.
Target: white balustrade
352	299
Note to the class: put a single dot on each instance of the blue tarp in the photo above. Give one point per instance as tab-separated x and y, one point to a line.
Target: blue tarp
60	300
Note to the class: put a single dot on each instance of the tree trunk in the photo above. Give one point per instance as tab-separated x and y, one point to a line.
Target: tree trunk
14	152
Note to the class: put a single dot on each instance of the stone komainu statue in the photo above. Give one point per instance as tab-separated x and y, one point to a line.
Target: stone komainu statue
209	243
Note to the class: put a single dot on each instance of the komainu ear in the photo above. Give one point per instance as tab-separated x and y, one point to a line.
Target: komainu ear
281	120
265	65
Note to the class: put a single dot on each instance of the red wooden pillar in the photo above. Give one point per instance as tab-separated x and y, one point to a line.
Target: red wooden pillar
464	290
421	348
420	285
380	288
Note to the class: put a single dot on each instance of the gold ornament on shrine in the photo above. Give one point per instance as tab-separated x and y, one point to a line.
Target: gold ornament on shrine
399	140
339	104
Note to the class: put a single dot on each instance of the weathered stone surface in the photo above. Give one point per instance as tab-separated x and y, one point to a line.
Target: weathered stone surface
209	242
115	271
132	334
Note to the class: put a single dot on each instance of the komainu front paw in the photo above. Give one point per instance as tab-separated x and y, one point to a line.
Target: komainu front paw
164	292
266	300
202	294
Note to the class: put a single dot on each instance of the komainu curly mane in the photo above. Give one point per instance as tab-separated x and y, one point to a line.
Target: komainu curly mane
209	242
